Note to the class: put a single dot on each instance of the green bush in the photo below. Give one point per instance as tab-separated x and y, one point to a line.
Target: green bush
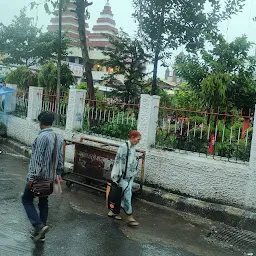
165	140
195	142
48	74
120	131
82	86
172	139
224	149
244	149
196	119
115	128
242	152
23	77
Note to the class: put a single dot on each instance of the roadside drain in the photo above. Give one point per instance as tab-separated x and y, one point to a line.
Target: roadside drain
226	236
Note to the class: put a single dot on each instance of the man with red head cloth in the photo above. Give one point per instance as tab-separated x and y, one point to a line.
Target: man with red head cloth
124	172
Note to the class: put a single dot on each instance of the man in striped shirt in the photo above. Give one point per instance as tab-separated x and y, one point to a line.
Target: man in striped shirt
41	167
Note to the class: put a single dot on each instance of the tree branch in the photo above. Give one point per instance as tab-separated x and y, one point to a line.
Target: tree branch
87	4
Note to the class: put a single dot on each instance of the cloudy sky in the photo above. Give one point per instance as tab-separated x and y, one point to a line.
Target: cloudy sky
238	25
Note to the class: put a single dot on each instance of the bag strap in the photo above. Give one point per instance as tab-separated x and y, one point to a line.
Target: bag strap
127	156
54	156
126	164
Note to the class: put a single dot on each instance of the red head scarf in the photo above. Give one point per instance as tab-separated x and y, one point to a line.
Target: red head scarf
134	134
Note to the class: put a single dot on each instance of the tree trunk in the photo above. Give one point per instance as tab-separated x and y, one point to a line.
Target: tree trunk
87	63
59	63
154	82
157	51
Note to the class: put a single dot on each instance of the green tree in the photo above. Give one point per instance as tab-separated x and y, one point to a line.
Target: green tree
48	77
46	47
81	13
18	39
186	98
128	59
214	89
223	75
25	44
23	77
167	24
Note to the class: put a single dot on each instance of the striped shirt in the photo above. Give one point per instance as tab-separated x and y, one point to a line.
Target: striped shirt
41	162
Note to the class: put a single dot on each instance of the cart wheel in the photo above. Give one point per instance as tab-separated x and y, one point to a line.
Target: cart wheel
68	184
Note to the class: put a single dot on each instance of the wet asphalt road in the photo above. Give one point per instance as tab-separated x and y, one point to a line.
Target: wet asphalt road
79	226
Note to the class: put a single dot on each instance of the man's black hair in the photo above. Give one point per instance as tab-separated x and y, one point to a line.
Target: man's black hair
46	118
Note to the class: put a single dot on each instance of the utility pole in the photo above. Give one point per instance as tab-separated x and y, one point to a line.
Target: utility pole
59	59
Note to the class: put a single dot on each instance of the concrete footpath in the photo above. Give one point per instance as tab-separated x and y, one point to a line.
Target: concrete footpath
227	214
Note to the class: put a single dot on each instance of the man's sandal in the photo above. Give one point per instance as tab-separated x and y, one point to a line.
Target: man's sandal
133	223
114	216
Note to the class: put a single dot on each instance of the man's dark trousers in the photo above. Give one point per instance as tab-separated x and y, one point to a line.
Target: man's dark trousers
35	219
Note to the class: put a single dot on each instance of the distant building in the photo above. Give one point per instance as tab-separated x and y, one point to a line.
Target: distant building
106	25
96	42
173	79
170	82
69	24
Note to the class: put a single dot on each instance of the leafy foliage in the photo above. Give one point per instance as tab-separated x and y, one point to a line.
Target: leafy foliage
25	44
48	77
23	77
99	97
186	98
18	39
165	99
129	59
47	46
223	75
82	86
214	88
82	14
165	25
115	128
181	136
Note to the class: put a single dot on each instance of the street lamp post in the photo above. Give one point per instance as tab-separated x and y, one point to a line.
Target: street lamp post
59	60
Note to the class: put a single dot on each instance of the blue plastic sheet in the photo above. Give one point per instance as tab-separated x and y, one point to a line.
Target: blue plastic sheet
4	92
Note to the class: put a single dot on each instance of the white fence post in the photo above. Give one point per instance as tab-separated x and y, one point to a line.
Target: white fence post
76	104
147	121
12	97
35	99
250	196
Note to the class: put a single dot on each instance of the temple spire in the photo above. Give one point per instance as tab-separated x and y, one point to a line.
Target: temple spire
105	25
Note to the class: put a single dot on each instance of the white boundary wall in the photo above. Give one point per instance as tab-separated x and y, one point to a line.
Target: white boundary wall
206	179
